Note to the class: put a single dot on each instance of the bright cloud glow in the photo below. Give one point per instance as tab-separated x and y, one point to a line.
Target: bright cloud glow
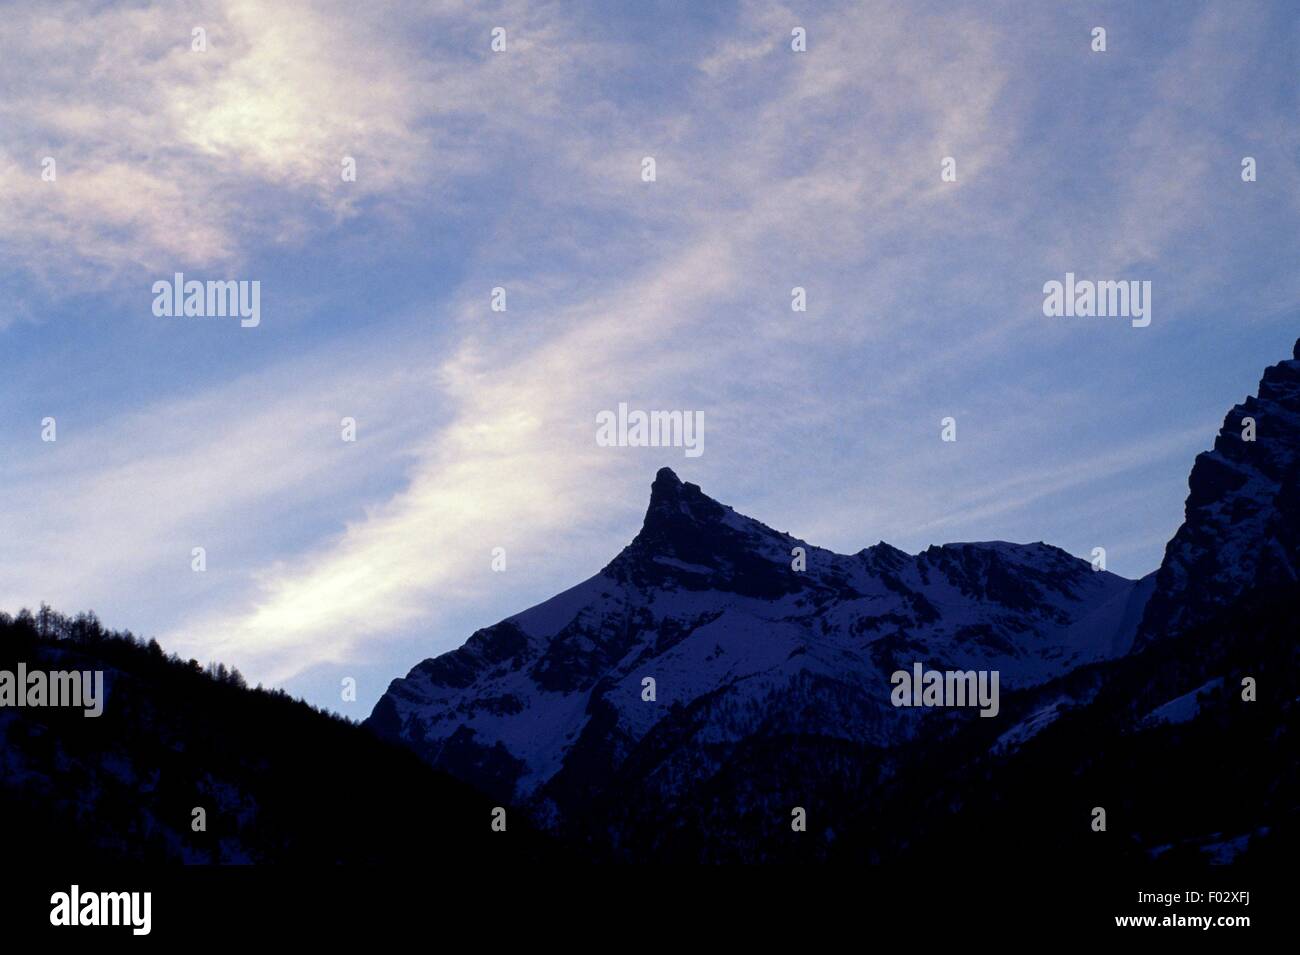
522	170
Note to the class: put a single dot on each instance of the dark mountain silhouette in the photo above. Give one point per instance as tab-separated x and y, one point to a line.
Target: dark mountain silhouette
772	691
1241	533
279	781
706	603
771	662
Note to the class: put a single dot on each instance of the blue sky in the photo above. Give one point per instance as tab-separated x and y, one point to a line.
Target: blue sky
522	169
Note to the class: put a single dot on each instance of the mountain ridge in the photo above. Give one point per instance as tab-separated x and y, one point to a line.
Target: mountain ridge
694	602
1209	562
705	643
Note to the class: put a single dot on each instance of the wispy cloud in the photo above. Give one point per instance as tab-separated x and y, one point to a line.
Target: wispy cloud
776	169
171	157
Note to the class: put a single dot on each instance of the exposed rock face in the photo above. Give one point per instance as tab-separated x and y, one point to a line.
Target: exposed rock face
547	704
771	679
1241	532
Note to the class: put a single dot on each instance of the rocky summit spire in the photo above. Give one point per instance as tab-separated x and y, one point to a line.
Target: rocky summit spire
690	540
667	487
676	506
749	634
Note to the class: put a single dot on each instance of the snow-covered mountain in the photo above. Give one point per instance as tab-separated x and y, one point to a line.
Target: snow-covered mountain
1241	532
712	607
771	678
1172	702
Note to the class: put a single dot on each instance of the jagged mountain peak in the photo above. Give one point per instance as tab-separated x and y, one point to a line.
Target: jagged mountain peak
1241	527
883	557
666	480
689	540
681	519
704	650
740	625
674	502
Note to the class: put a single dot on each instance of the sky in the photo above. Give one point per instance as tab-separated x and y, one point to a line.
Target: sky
522	169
